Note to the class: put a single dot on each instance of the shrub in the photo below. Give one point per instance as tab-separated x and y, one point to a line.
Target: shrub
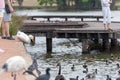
16	23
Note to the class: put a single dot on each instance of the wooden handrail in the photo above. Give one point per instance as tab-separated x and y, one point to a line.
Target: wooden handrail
66	17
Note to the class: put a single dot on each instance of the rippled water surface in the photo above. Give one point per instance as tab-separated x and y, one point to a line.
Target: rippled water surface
67	53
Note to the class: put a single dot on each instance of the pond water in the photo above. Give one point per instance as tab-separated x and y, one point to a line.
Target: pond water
68	52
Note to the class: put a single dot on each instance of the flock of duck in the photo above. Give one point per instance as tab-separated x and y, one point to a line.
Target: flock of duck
89	75
18	63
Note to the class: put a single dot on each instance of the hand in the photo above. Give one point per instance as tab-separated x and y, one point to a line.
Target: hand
11	10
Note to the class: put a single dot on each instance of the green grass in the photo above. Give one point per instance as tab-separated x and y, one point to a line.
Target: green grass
118	4
27	7
16	23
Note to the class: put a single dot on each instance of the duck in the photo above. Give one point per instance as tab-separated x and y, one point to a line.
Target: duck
74	78
82	79
73	67
86	70
108	61
44	76
91	75
59	76
118	78
119	72
85	65
118	66
108	78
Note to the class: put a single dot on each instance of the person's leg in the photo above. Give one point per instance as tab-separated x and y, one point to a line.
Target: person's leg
104	11
1	18
7	19
6	25
105	26
108	18
3	31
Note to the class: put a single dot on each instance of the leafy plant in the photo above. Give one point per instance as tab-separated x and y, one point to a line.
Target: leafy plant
16	23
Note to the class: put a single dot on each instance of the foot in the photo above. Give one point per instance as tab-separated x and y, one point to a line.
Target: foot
10	38
106	28
3	37
109	29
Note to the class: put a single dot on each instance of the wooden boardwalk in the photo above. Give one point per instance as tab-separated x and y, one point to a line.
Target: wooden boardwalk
31	26
71	29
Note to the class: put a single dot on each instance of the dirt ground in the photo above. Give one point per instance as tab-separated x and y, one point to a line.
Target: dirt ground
9	48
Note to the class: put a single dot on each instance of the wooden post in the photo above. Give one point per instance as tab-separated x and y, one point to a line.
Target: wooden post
85	46
113	44
49	45
97	19
66	19
48	19
49	42
106	45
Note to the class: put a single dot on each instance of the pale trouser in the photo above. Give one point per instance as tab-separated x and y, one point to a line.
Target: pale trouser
106	15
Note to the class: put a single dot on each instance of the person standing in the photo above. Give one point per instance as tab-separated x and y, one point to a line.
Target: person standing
2	6
106	13
6	21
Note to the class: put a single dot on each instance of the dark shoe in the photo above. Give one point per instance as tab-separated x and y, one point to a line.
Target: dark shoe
4	37
10	38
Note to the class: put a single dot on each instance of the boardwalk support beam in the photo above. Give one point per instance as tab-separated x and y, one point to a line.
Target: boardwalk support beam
49	42
49	45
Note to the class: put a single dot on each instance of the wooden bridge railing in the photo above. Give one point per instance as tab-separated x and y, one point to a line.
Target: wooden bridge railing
66	17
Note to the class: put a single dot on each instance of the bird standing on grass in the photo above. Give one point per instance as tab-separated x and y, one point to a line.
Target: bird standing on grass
14	65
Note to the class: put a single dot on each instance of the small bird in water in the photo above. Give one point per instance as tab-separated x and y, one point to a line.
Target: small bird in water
118	66
118	78
108	78
85	65
86	70
44	76
73	67
74	78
